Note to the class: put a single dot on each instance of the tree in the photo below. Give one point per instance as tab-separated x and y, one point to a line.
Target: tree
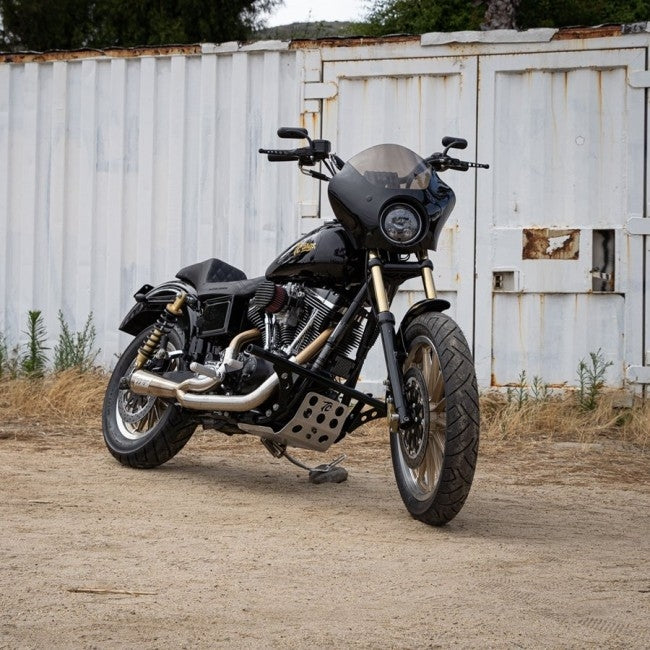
419	16
566	13
501	14
70	24
39	25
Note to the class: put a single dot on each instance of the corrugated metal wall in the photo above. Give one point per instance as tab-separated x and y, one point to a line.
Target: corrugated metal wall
118	170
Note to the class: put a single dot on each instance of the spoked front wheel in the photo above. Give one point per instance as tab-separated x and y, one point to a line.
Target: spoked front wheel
435	457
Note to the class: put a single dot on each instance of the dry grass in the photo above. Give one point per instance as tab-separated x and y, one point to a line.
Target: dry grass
559	418
64	398
73	399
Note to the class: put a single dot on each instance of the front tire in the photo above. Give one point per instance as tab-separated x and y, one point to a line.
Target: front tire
434	458
140	431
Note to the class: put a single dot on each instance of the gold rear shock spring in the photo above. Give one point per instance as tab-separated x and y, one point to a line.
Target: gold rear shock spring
163	325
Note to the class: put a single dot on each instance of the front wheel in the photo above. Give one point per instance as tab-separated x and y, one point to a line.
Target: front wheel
435	457
142	431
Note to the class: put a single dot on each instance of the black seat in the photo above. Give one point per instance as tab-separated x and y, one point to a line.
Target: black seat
241	288
212	270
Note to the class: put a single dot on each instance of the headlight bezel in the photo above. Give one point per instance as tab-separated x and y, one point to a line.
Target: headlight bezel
392	207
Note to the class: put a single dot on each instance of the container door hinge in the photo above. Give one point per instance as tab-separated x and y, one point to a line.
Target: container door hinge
638	226
638	374
321	90
639	78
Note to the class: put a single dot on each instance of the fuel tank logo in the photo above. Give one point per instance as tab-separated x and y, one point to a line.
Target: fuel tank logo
303	247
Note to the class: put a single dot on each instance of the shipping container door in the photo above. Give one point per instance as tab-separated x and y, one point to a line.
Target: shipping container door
412	102
557	275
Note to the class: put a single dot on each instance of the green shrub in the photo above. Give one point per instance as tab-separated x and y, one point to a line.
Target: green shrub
75	349
591	379
34	357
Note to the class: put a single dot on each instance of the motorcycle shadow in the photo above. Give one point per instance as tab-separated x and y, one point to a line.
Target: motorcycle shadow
494	510
258	478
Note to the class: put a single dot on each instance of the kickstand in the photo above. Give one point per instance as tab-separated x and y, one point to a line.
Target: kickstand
327	473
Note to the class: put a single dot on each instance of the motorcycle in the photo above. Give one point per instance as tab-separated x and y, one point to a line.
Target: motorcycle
279	356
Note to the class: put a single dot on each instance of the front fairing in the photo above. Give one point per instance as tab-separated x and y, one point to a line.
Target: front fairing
359	195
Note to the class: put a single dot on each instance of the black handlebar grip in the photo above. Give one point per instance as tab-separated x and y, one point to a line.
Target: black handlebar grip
277	152
274	157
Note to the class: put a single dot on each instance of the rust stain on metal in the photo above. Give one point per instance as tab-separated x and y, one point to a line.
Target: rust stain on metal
116	53
517	384
600	31
351	41
549	244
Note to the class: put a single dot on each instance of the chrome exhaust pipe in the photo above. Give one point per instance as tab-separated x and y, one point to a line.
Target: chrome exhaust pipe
143	382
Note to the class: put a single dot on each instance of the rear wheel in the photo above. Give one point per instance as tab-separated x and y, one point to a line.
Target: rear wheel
142	431
435	457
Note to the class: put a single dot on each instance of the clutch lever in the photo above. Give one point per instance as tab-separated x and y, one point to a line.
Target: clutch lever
441	162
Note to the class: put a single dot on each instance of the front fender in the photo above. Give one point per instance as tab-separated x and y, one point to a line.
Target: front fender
150	301
422	307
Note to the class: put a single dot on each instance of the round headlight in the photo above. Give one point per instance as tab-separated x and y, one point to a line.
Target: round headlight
401	224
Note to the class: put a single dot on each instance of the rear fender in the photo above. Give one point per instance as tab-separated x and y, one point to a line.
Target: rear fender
150	301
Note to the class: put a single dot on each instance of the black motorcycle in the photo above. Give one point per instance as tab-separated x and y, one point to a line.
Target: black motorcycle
279	356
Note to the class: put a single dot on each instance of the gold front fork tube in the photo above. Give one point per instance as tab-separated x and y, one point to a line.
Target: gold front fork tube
378	284
427	278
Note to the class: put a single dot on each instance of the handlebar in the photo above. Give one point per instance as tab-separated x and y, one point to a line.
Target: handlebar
278	155
316	151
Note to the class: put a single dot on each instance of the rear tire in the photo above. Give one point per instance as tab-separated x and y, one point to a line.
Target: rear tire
140	431
434	459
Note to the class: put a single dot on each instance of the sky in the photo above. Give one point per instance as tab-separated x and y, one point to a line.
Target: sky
301	11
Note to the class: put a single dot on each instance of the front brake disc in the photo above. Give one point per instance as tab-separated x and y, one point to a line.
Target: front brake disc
414	438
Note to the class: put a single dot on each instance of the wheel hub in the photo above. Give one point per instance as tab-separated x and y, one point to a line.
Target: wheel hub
413	439
133	408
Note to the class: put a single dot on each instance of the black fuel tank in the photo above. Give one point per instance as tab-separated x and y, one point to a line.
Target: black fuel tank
323	257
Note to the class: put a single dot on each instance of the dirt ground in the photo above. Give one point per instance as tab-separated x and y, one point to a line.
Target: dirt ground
226	546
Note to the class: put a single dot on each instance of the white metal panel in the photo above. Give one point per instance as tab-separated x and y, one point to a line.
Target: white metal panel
117	171
564	134
547	335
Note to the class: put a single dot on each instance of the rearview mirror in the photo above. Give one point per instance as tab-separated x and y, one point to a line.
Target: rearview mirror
293	132
450	142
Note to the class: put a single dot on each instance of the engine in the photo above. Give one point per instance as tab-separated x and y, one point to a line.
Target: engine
291	316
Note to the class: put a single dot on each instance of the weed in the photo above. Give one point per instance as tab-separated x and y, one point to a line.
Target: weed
3	354
519	394
13	362
75	349
34	358
522	392
591	379
539	389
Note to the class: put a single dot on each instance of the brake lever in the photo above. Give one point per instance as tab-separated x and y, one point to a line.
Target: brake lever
441	162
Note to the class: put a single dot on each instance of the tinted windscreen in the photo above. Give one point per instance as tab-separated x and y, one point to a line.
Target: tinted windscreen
393	167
